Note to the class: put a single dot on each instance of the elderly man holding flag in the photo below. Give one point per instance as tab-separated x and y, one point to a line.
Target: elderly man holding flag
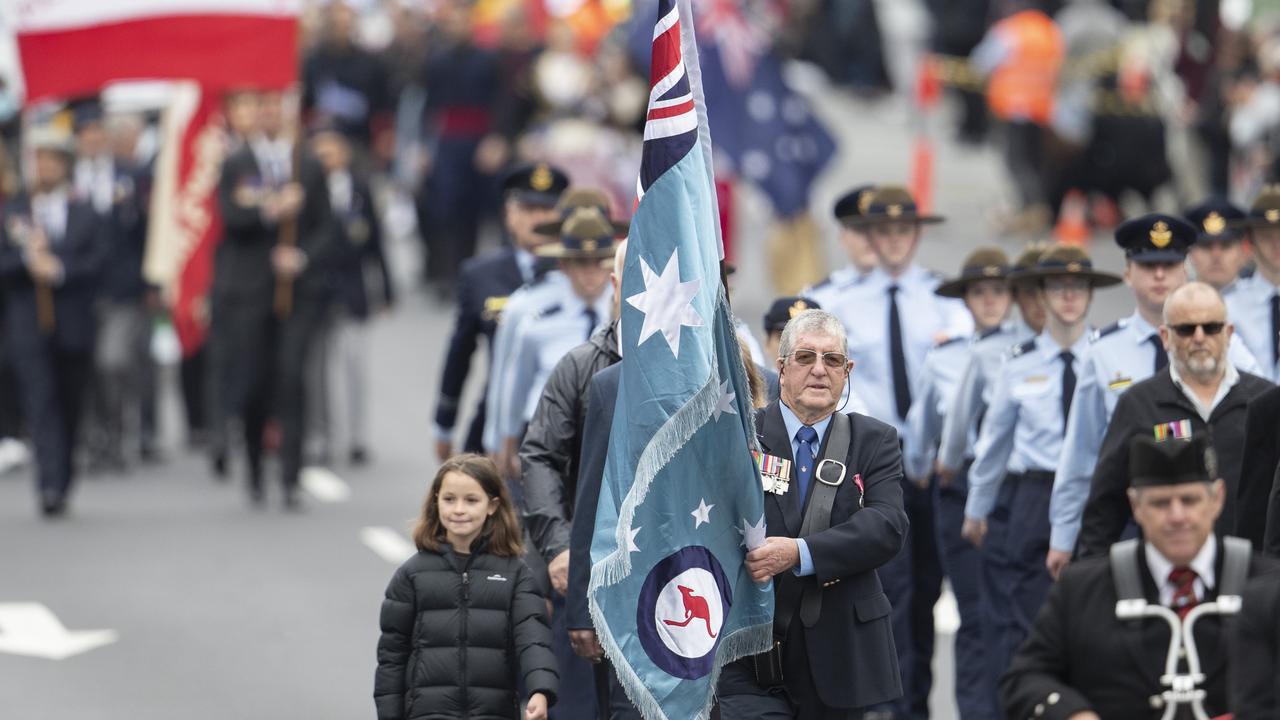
688	556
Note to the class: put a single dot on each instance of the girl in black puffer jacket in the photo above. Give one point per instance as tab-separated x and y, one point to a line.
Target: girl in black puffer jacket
463	621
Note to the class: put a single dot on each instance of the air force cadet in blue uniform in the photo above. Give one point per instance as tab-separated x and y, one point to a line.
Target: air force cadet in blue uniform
586	241
1007	512
1218	255
486	282
862	258
983	286
1254	306
893	318
1123	353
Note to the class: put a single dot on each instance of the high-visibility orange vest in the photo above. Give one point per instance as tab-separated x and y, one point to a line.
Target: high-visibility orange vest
1023	86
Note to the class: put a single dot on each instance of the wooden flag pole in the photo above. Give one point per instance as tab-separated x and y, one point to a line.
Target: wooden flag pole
289	234
44	307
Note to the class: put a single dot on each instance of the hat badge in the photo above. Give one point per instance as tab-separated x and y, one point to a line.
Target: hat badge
1273	215
894	210
1074	267
589	245
540	179
864	203
1160	234
799	307
1214	224
990	271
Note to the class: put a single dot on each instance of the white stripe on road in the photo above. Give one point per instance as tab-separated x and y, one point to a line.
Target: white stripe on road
388	544
324	485
946	614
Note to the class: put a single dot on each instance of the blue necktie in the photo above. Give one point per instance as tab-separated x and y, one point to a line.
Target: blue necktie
804	459
898	357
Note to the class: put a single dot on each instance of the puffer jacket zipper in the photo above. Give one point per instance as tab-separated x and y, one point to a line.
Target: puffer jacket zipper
464	606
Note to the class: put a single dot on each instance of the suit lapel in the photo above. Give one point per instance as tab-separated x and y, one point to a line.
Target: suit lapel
774	441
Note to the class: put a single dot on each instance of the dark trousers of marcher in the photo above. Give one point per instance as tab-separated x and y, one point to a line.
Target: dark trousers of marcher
740	697
1024	158
244	350
51	383
577	698
962	564
10	413
610	696
192	374
449	207
1015	580
299	334
124	384
913	582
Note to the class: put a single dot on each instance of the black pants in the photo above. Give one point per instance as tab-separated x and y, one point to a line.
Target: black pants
1024	157
740	697
51	382
193	372
10	413
298	336
243	353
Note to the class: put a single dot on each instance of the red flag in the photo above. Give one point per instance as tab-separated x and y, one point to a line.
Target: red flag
74	47
185	225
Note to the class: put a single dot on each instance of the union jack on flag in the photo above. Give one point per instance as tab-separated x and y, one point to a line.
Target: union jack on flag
681	500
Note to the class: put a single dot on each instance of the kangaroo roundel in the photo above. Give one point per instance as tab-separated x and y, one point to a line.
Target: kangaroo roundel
682	607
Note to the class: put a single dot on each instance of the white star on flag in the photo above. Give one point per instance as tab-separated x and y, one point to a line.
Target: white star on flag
631	540
702	514
726	402
666	302
752	535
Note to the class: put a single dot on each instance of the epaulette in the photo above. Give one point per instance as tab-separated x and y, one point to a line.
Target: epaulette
989	332
950	341
547	311
1108	330
1023	348
826	282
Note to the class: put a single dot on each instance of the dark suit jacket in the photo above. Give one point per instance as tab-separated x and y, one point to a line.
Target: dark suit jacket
1081	653
242	265
83	250
1152	402
483	288
1255	651
362	234
851	653
602	395
1257	473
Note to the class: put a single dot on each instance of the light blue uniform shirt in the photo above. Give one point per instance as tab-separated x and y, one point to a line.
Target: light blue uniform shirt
1249	309
1121	355
541	340
934	389
527	300
924	317
974	390
1022	430
827	293
793	426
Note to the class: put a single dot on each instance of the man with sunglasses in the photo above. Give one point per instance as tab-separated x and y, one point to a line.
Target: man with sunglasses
1020	444
833	512
1126	352
1200	393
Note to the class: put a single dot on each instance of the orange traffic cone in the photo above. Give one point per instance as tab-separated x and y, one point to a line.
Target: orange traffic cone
1073	220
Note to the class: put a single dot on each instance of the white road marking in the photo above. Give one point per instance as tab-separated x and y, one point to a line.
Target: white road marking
324	485
33	630
388	544
946	615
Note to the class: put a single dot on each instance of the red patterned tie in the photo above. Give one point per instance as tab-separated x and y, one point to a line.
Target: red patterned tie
1184	590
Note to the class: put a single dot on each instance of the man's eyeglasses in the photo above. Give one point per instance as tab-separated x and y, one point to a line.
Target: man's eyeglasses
1189	329
833	360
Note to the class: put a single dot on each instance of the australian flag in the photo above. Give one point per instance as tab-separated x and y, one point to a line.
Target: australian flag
681	500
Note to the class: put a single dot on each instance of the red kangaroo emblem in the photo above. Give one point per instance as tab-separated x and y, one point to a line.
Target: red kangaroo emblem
695	608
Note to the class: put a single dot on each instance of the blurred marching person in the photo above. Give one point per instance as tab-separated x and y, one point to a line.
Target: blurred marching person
1022	55
1082	662
13	452
862	258
1011	479
892	319
347	85
1254	690
361	285
462	84
958	27
124	382
1254	305
982	285
261	191
1219	253
52	250
1200	393
486	284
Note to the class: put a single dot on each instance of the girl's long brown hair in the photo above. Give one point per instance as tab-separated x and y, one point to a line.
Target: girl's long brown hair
501	531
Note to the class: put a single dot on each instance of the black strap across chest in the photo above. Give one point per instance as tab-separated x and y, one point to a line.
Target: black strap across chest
828	477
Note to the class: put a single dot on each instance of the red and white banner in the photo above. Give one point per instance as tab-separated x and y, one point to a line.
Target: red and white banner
185	225
70	48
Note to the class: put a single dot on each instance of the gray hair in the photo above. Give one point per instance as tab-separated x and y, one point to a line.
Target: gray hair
809	321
